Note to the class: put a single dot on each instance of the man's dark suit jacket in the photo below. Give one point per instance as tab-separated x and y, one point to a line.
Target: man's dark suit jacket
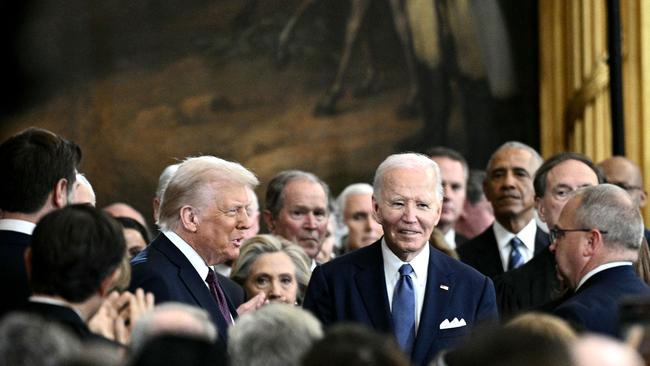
482	252
353	288
163	270
594	307
528	287
68	319
13	276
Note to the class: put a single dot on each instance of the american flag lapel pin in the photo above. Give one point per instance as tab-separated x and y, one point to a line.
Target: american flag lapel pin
444	287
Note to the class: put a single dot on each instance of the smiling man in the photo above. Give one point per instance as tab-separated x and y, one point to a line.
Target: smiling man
204	214
297	209
514	237
399	285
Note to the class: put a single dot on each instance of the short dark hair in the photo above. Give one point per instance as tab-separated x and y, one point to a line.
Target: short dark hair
539	182
73	250
445	152
475	186
129	223
32	162
274	200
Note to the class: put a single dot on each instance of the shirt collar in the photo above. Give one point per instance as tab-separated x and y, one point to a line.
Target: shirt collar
450	238
52	301
392	263
526	235
20	226
195	259
601	268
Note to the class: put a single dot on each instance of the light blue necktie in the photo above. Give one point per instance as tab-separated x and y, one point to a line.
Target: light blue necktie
516	259
404	309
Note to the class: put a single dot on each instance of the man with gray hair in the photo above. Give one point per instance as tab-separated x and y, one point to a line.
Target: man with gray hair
514	237
398	285
355	214
163	180
596	240
276	335
297	209
204	214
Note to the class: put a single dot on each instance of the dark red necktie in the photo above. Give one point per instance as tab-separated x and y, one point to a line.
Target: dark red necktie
218	295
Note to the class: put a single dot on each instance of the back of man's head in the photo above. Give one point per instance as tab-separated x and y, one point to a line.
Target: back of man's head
32	163
275	335
73	251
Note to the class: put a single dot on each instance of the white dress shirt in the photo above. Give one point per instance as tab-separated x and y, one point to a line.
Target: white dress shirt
20	226
601	268
420	266
450	238
526	235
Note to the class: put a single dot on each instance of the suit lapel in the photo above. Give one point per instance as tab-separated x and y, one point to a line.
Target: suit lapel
371	284
542	240
194	284
436	300
490	252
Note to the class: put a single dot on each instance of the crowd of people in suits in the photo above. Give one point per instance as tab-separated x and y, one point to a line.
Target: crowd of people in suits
530	262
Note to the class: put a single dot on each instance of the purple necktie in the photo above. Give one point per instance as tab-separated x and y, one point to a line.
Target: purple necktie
218	295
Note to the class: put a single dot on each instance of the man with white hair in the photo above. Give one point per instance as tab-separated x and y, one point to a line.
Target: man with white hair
163	180
398	285
355	213
204	215
596	240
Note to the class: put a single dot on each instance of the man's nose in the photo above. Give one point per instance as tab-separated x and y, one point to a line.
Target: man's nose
409	213
311	222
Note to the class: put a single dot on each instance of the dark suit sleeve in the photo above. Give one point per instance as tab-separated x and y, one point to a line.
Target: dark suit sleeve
150	281
487	306
318	299
574	314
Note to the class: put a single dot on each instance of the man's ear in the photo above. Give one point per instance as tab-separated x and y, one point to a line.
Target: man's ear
541	211
60	195
594	243
375	210
28	262
190	219
268	220
643	196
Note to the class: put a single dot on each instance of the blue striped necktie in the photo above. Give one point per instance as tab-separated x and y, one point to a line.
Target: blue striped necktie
516	258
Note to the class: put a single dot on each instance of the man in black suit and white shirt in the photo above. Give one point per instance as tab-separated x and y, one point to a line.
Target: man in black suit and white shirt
514	238
38	174
204	213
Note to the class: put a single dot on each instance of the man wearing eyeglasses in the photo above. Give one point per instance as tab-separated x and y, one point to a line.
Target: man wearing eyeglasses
536	283
595	240
622	172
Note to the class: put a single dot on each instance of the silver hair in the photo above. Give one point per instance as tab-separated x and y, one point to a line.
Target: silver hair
266	243
192	185
341	202
407	160
609	208
149	324
510	145
165	177
275	335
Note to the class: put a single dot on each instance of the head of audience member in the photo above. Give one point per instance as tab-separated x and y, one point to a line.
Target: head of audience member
477	213
136	236
174	319
558	178
274	335
27	340
254	215
598	350
545	325
326	252
297	209
75	256
355	206
83	191
175	349
120	209
207	204
622	172
163	180
508	184
407	202
273	265
599	224
510	346
39	173
455	172
354	345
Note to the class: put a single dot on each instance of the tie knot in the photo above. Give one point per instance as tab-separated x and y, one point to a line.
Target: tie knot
210	278
516	243
405	269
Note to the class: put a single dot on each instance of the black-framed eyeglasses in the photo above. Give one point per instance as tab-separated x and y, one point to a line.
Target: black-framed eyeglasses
557	233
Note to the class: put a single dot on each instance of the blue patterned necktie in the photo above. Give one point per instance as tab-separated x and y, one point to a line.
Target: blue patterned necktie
516	259
404	309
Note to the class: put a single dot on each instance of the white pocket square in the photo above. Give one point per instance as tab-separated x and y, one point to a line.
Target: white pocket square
446	324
